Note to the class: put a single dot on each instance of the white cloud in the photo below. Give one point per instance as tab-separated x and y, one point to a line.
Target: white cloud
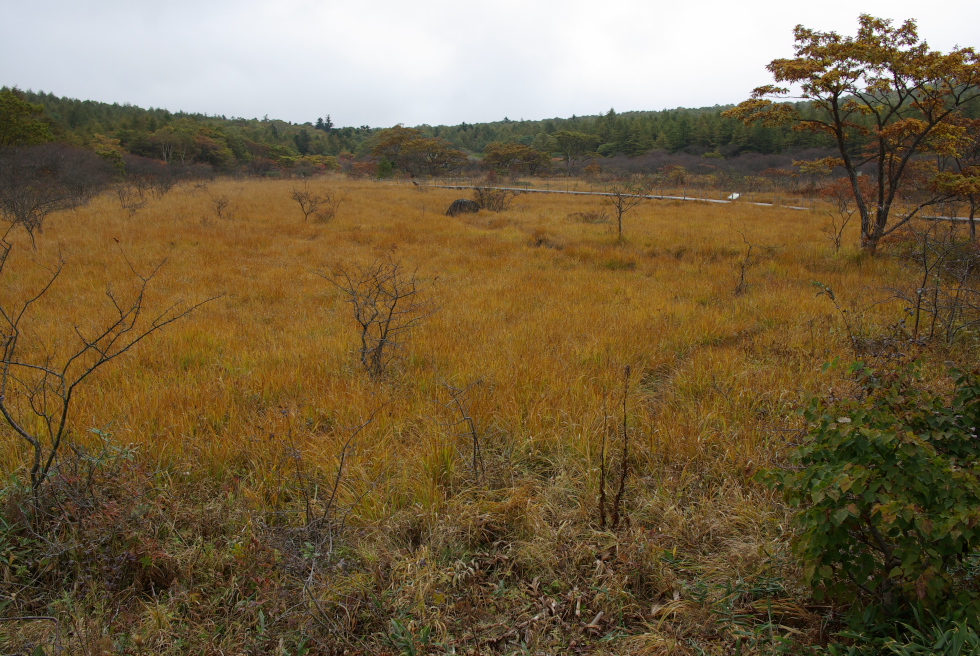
381	62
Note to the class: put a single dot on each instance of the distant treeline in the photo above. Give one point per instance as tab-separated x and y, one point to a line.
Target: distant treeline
181	137
694	131
263	144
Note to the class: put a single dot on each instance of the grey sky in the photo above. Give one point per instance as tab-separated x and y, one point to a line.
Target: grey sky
381	62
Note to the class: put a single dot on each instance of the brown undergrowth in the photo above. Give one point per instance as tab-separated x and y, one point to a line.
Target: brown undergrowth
155	562
252	489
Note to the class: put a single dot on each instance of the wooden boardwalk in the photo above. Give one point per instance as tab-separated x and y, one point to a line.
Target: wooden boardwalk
526	190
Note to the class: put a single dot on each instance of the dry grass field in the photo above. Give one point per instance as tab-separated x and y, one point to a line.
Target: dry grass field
252	489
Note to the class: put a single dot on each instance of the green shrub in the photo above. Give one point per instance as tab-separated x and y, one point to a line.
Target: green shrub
888	488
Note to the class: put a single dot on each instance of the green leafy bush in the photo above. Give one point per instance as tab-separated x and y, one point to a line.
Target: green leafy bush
888	487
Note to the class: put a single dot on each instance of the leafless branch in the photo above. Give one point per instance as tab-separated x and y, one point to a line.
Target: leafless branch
459	405
37	388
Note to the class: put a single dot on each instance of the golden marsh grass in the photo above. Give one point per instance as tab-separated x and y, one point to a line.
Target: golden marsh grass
261	386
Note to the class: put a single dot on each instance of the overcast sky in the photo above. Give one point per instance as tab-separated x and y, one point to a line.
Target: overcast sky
382	62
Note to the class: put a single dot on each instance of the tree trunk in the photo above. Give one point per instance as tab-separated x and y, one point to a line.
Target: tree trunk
872	229
869	241
973	223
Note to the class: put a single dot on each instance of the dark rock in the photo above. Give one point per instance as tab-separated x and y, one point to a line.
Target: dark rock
463	206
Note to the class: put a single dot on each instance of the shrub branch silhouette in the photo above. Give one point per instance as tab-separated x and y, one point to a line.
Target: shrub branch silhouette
387	302
38	385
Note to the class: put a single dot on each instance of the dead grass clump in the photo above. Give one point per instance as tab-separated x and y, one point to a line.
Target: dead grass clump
544	238
590	216
486	222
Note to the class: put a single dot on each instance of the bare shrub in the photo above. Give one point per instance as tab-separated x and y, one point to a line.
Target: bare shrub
148	178
221	207
321	206
320	494
459	405
387	303
38	180
615	505
753	253
493	198
145	179
542	237
330	206
943	300
131	198
842	209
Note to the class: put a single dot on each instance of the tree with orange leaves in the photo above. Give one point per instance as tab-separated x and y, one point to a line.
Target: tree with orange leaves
886	99
415	154
962	176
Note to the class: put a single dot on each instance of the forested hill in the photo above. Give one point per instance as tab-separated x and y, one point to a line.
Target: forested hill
636	133
233	142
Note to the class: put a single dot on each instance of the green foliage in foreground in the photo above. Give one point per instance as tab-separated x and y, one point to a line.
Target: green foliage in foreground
888	487
943	635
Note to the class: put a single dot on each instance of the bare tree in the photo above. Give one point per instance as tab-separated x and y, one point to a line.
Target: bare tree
309	202
623	198
39	380
387	302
